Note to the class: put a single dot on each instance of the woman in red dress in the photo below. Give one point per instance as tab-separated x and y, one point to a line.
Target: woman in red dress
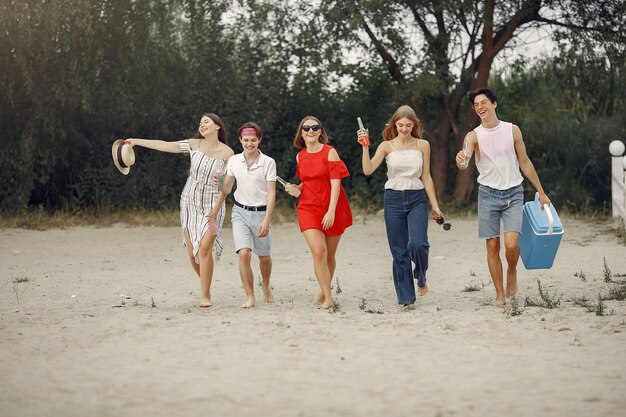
323	209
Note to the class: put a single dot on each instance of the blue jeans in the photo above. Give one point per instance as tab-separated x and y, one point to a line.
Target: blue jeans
406	218
494	205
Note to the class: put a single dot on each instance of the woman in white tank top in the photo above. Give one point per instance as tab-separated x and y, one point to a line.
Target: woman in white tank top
406	210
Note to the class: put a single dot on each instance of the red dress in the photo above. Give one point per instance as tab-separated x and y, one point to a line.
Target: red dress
315	171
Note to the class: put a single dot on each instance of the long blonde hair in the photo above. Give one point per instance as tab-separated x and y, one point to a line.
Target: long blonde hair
391	131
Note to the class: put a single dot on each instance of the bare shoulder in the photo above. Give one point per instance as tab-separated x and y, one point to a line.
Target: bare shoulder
385	147
423	144
333	155
517	133
193	143
226	151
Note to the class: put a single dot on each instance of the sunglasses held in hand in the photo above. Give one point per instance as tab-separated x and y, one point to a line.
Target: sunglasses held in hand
446	226
314	128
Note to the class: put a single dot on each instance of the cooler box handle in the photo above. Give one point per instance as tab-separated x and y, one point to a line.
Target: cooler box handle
548	213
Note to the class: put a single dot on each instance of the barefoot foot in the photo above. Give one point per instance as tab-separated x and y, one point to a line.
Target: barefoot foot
205	303
319	300
325	305
249	303
422	290
511	284
267	295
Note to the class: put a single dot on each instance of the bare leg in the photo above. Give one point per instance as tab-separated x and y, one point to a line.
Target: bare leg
192	258
247	278
317	244
495	268
332	242
206	269
265	264
319	300
511	251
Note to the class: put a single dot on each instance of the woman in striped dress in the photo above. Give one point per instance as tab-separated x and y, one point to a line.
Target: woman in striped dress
208	153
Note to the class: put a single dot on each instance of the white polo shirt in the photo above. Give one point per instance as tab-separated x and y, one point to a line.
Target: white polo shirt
251	181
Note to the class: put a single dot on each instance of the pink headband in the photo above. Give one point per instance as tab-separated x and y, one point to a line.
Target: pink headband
248	131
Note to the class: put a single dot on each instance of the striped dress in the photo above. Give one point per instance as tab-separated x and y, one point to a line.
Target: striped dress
199	197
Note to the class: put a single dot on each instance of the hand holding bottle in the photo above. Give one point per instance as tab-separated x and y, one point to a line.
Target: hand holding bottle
363	134
292	189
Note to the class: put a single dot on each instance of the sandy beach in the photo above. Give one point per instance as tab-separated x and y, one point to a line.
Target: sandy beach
104	322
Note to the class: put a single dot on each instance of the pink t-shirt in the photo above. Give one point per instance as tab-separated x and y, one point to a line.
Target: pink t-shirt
498	166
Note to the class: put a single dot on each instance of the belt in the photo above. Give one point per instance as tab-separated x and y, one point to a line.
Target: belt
250	208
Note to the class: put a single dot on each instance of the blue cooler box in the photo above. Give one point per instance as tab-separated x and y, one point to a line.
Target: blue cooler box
541	235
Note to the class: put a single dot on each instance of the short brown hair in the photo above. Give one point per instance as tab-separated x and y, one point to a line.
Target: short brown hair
487	92
256	127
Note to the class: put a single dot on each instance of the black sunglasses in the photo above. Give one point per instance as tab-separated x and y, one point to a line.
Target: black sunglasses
314	128
446	226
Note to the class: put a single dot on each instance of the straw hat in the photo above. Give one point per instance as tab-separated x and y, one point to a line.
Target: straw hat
123	156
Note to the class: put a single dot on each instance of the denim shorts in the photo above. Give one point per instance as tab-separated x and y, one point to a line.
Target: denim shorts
494	205
246	226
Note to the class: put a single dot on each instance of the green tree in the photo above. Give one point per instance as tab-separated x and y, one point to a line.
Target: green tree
435	51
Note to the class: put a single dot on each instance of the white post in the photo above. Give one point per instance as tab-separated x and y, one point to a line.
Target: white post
624	192
618	188
618	180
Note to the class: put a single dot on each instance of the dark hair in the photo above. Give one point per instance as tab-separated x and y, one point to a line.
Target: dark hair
298	141
221	133
391	131
487	92
256	127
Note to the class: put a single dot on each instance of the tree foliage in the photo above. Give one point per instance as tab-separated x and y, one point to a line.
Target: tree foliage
78	74
452	46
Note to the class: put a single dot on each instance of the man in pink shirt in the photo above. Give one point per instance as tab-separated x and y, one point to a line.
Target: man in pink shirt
500	154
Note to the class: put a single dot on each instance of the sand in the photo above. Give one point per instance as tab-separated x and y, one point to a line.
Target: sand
107	324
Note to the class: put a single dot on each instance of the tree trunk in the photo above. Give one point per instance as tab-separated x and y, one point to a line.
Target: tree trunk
439	152
464	185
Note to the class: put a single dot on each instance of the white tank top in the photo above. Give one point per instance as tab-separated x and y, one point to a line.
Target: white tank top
404	169
498	166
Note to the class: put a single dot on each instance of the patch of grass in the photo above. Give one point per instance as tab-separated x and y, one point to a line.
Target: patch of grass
616	293
335	306
338	291
607	272
620	232
514	308
530	302
472	273
582	301
363	306
581	275
600	308
18	288
546	300
473	287
42	219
